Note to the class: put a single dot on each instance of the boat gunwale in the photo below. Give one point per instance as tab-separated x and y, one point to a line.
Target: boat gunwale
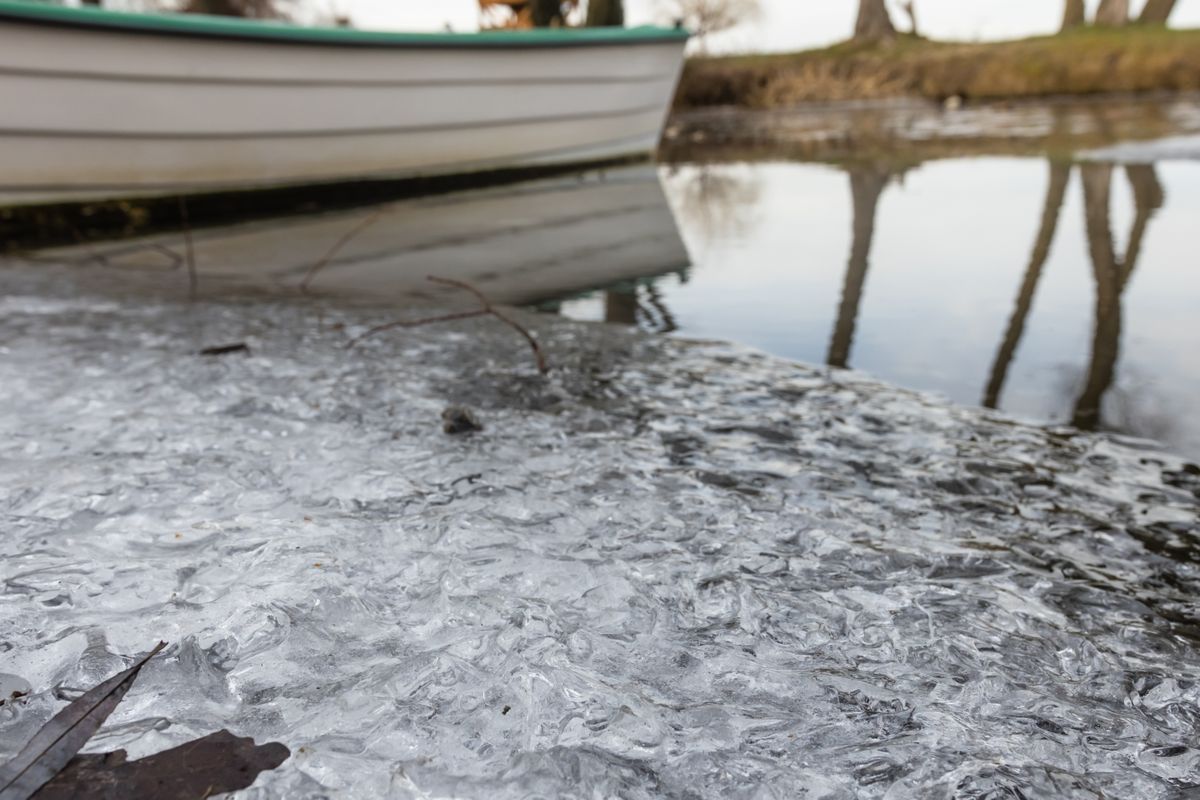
201	27
312	83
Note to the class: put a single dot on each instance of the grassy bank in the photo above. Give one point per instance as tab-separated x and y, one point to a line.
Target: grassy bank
1077	63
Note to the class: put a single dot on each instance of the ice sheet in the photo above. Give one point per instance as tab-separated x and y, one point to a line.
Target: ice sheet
671	569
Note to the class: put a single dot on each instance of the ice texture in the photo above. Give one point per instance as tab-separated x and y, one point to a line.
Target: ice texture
669	569
1171	148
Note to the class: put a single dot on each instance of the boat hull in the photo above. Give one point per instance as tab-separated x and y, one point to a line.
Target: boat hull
106	111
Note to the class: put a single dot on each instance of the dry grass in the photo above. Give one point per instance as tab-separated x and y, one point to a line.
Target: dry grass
1078	63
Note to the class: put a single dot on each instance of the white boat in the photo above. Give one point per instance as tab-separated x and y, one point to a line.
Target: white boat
101	103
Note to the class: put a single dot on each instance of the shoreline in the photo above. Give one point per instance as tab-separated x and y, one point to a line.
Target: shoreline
911	130
1077	63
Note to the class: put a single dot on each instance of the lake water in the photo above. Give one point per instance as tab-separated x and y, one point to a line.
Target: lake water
1060	292
958	282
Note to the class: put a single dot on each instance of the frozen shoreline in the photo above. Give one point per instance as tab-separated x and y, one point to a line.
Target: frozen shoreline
685	570
1171	148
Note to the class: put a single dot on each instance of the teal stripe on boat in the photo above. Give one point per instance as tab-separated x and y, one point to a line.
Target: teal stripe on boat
199	25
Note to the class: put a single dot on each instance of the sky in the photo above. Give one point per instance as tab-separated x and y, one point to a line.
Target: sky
784	24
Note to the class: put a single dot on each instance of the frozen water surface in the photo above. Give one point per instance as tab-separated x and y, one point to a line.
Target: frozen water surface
1172	148
670	569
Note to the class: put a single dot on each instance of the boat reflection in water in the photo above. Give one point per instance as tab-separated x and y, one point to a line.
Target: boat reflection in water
521	244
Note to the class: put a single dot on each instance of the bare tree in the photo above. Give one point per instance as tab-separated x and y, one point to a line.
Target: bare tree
1113	13
1157	12
546	13
1074	15
604	13
520	14
874	22
704	17
910	10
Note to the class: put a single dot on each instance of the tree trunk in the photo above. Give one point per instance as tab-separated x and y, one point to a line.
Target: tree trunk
605	13
1074	15
874	22
911	10
545	13
1113	13
251	9
1157	12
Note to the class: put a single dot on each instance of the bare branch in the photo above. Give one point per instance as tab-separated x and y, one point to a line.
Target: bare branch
483	300
414	323
542	366
338	245
193	278
704	17
486	309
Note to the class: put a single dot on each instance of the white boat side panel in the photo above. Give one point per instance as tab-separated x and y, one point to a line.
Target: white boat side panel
94	108
66	163
86	113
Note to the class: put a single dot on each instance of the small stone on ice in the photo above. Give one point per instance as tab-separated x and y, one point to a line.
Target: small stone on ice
13	687
460	419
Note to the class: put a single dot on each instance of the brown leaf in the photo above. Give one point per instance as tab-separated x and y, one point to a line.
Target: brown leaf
217	763
53	747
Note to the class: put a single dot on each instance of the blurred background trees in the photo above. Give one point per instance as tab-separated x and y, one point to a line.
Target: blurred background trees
873	22
252	9
1074	14
550	13
603	13
705	17
1116	13
1113	13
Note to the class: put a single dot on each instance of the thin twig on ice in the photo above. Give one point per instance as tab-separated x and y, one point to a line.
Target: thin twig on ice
338	245
487	309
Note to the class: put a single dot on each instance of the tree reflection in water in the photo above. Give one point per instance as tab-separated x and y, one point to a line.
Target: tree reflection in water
867	182
639	304
718	202
1056	190
1111	274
